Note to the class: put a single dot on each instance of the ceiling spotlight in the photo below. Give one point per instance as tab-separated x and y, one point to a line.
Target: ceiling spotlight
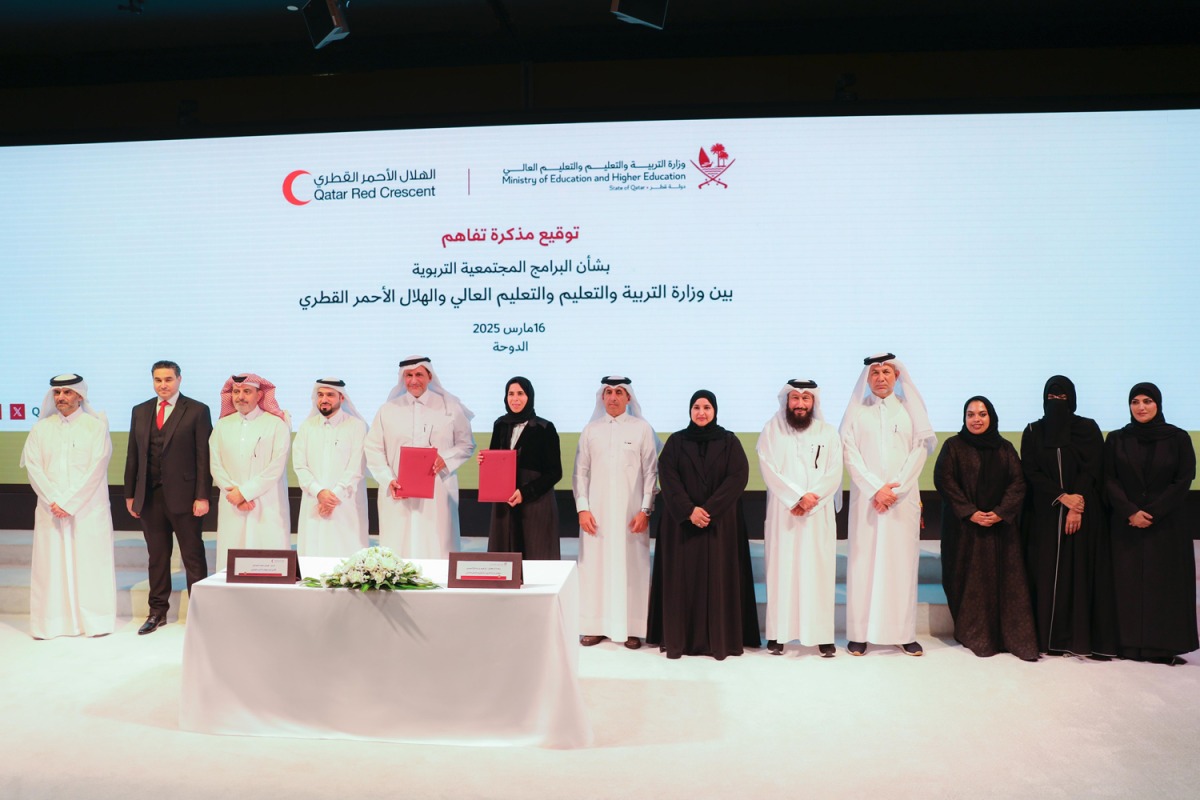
651	13
326	21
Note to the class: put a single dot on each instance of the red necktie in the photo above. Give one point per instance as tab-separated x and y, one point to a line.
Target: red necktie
162	413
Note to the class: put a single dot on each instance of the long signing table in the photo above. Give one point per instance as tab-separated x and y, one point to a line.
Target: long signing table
442	666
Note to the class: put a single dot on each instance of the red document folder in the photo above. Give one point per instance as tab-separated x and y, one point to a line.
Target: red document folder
497	476
415	473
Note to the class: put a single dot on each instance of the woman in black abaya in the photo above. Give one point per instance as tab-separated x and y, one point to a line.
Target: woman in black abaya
702	591
978	476
1068	550
1149	466
528	522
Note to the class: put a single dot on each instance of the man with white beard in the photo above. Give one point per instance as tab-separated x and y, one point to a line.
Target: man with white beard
886	437
328	458
72	587
800	456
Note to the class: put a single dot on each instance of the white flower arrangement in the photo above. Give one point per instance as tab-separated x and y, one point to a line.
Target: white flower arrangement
371	569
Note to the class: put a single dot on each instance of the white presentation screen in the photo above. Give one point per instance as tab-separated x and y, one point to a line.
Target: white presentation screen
989	252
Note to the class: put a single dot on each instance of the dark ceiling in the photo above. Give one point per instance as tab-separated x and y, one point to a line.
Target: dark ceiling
80	42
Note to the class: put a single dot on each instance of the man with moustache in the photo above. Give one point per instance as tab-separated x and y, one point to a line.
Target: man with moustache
72	585
328	458
800	456
886	437
167	484
616	467
419	412
249	453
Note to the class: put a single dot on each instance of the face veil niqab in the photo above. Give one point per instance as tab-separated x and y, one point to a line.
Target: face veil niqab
1058	414
992	480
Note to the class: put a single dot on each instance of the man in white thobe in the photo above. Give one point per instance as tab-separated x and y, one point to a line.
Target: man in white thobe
800	456
616	467
419	412
886	437
328	458
72	587
248	452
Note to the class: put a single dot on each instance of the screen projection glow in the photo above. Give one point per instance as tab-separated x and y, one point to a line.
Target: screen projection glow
989	252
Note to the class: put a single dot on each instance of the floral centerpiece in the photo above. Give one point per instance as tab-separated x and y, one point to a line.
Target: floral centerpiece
373	568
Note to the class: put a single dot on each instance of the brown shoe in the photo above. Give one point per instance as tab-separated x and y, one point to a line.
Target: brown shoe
591	641
775	648
633	643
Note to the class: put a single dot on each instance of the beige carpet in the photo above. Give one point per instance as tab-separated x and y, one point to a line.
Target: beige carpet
97	718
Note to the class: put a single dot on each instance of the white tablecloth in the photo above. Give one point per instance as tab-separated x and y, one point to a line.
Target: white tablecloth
444	666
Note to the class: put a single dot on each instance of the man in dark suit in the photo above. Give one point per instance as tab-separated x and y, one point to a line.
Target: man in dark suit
167	484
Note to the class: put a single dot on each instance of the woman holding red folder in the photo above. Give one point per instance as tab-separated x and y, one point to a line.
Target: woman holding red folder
527	523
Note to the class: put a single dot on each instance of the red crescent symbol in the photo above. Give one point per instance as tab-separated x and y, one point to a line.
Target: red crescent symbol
287	188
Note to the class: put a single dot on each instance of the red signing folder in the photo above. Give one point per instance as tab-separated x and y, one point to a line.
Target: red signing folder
497	476
415	474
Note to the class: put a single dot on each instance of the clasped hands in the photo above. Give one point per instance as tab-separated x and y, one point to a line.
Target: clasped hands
639	524
1074	505
885	498
234	495
805	504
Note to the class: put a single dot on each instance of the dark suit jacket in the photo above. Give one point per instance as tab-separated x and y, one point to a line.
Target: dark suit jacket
185	474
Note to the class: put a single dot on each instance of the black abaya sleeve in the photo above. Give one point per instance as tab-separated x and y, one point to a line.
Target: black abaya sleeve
1173	495
946	479
674	493
1014	495
733	483
1122	506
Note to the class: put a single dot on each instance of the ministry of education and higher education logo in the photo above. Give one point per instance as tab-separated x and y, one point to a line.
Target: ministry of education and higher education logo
713	172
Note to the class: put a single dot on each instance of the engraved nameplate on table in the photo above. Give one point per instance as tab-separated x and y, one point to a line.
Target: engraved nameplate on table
484	571
262	566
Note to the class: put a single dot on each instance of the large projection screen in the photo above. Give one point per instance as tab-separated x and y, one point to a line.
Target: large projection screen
988	251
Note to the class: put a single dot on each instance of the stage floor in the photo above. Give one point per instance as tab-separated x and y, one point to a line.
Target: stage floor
98	718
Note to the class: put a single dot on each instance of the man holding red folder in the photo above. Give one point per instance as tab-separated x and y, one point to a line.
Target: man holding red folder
420	436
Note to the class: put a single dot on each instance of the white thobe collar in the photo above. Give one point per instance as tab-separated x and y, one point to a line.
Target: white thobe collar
333	419
253	415
622	417
74	415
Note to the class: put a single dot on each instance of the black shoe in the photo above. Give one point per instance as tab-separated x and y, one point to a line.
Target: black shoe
152	623
856	648
912	649
775	647
827	650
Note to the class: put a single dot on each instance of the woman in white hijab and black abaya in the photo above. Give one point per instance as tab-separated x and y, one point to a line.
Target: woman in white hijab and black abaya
1149	466
528	522
1066	529
702	590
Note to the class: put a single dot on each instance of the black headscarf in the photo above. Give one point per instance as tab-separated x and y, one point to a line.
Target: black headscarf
1057	414
526	413
989	439
1156	429
992	480
703	433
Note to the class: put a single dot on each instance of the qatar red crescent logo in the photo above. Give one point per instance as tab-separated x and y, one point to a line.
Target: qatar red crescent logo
288	194
713	172
16	411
